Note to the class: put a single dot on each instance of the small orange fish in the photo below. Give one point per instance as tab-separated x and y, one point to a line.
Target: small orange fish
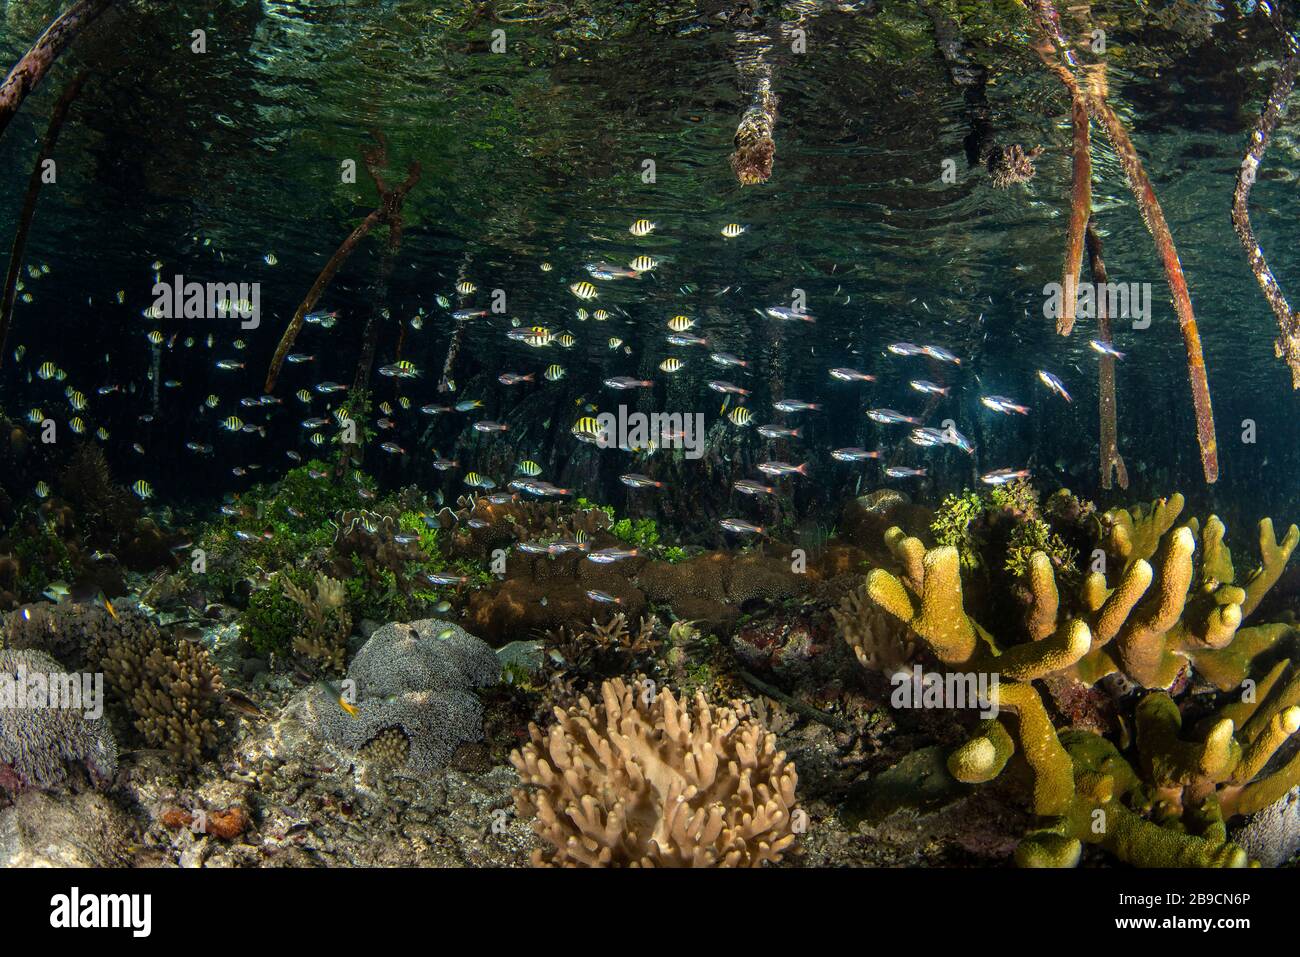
348	706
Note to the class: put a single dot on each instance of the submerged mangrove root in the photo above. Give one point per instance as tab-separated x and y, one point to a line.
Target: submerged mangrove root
1112	464
389	211
375	160
1154	218
70	93
967	75
31	69
1046	20
1287	344
1080	184
755	147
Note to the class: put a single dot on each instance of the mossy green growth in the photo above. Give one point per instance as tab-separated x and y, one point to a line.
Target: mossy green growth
43	558
278	525
953	523
272	619
1037	536
585	504
1019	497
641	532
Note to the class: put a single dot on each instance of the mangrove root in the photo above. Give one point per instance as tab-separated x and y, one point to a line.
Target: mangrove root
31	69
389	212
60	113
1153	216
1287	344
1080	184
1112	465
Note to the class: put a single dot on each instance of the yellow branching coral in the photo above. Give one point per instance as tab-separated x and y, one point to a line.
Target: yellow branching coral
1165	612
643	780
1171	808
1149	625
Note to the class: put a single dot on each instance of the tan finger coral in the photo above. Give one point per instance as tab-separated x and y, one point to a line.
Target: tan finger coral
645	781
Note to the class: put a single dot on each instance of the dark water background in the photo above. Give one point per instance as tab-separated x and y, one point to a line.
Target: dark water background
534	155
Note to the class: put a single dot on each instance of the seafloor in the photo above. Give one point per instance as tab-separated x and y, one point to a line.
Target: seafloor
322	675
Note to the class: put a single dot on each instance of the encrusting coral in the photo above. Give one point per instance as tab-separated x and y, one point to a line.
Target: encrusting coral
37	744
1154	626
640	779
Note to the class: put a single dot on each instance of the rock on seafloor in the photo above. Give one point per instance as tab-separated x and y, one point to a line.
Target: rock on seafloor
59	830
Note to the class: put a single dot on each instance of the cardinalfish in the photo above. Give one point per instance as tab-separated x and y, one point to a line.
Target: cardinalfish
851	375
890	417
627	382
605	556
1105	348
727	359
1000	403
1053	383
795	405
785	313
1004	476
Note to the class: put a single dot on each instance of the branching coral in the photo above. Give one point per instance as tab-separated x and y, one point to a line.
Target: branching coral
1147	633
1171	809
1152	625
605	649
171	689
324	637
642	780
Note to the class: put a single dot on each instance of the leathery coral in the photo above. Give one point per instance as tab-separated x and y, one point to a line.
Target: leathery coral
643	780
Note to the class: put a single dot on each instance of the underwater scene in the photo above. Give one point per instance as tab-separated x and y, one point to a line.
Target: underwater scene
613	433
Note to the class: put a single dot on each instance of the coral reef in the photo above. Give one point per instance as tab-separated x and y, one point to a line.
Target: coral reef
642	780
417	678
37	744
171	690
877	639
324	637
1170	805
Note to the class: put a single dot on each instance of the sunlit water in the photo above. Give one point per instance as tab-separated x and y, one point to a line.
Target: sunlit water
207	163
